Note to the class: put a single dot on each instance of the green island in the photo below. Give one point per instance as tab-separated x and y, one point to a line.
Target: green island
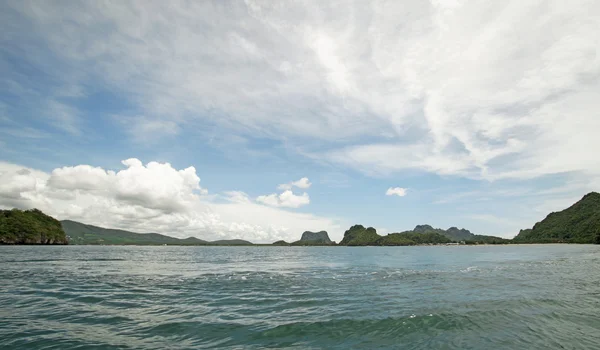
30	227
580	223
358	235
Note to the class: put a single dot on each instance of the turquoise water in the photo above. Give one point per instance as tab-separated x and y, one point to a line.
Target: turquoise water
485	297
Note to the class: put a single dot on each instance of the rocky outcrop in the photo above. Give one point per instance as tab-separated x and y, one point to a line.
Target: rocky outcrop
452	233
424	228
358	235
459	234
320	237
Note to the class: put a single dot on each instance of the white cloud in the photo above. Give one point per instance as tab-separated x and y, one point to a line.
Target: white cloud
16	182
303	183
286	199
484	90
398	191
237	197
157	185
269	199
154	198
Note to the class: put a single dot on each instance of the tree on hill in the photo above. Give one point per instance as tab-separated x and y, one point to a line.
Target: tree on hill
413	238
30	227
358	235
577	224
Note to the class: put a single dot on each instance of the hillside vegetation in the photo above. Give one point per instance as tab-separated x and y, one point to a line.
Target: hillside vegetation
413	238
30	227
459	235
358	235
580	223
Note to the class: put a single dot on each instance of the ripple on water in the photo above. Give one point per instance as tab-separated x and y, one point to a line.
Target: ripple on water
206	297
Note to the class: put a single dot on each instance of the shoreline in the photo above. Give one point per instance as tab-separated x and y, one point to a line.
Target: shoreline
295	246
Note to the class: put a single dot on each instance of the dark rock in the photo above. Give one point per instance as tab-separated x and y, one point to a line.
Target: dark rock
317	237
423	228
458	234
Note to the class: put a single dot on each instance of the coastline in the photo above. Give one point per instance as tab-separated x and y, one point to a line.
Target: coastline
297	246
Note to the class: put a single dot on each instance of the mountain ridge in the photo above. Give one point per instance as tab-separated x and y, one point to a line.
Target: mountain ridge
80	234
458	235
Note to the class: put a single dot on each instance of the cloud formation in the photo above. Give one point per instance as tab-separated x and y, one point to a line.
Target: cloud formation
303	183
484	90
497	92
154	197
285	199
397	191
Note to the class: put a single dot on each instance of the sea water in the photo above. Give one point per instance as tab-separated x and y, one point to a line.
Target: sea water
165	297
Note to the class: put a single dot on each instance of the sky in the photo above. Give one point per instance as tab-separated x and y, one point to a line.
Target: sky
262	119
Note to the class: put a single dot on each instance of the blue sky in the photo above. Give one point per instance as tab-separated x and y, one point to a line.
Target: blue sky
484	114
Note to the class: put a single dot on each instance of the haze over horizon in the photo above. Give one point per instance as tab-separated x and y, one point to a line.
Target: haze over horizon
260	120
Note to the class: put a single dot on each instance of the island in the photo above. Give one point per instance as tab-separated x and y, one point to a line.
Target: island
309	238
30	227
358	235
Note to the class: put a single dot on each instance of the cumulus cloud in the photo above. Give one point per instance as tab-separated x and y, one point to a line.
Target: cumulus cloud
285	199
397	191
156	185
154	197
303	183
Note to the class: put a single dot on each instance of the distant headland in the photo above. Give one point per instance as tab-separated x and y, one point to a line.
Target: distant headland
580	223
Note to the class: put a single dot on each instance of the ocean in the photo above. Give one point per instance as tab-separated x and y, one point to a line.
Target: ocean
167	297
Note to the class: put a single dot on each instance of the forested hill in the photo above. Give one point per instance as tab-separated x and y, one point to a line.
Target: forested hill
30	227
580	223
458	235
358	235
80	233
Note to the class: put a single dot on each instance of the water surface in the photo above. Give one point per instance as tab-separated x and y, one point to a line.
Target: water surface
484	297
